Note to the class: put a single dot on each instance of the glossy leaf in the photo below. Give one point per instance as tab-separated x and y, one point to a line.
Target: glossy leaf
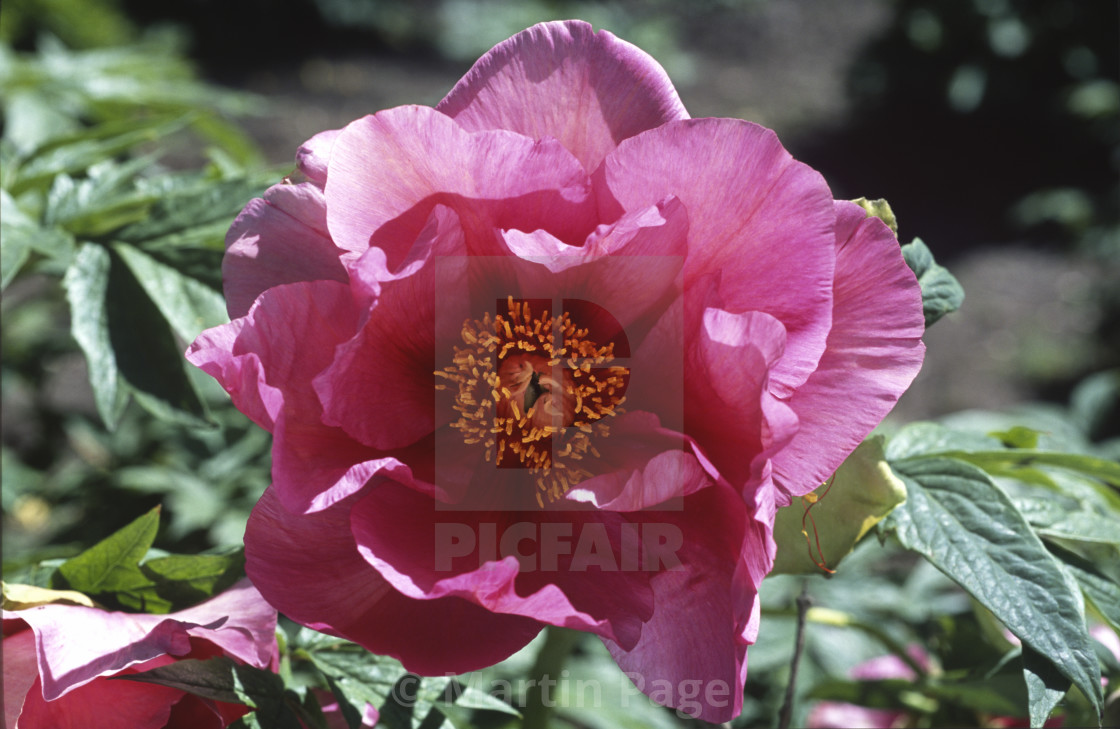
188	305
1046	686
222	679
87	282
941	292
969	529
147	355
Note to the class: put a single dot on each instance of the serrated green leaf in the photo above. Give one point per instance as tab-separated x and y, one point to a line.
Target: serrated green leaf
188	305
113	564
1046	686
969	529
222	679
941	292
87	282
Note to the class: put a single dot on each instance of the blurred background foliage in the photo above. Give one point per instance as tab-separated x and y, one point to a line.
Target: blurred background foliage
134	131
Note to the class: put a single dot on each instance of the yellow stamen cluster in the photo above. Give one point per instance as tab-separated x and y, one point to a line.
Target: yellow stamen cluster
534	392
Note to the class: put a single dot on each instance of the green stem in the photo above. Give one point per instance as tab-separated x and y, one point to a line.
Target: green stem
840	619
541	696
803	603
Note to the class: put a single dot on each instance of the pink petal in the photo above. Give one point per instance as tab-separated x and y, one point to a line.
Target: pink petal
20	671
387	171
589	90
76	644
836	715
277	349
241	375
380	388
315	466
692	652
309	567
730	409
760	221
874	352
625	267
101	704
281	238
650	466
314	154
426	552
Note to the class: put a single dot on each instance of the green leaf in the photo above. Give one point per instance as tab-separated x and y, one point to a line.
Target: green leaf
941	292
22	236
1018	437
147	355
188	305
1103	592
13	254
969	529
923	438
221	679
104	200
185	580
191	210
111	565
82	150
1005	462
87	282
1045	685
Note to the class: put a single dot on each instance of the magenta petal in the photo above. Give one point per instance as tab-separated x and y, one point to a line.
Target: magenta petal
589	90
625	267
103	704
314	154
77	644
649	465
380	387
308	566
278	239
241	375
289	336
874	352
414	158
692	653
758	219
20	672
729	407
416	546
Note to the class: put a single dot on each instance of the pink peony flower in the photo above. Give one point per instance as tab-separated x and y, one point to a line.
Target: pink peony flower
58	661
552	353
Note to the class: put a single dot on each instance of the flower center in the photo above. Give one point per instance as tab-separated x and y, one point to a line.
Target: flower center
533	391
